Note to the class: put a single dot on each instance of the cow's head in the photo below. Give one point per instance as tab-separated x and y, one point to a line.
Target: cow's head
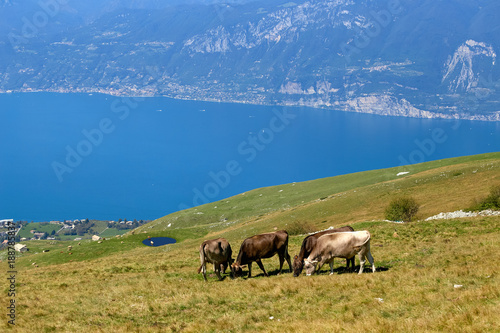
297	266
310	266
237	270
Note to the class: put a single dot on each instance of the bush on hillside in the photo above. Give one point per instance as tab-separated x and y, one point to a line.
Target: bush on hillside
402	209
300	228
492	201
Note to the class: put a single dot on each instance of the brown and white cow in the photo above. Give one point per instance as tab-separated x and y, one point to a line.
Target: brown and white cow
308	244
215	251
340	244
260	247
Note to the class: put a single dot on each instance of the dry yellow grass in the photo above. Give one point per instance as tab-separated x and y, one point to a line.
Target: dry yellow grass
158	290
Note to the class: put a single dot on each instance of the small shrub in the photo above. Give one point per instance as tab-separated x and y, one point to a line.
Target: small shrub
402	209
492	201
300	228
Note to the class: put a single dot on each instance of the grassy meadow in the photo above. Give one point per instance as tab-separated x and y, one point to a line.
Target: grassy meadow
432	276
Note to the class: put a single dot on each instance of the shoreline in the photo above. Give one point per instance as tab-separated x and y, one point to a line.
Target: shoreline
401	108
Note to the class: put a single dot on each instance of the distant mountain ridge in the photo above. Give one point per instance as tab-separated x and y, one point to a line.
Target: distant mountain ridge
397	57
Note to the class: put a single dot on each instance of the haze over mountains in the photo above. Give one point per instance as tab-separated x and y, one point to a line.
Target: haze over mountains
396	57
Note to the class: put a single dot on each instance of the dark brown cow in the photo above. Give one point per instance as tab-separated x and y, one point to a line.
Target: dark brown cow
262	246
218	252
308	244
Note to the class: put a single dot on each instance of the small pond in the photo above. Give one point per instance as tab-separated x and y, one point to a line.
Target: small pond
158	241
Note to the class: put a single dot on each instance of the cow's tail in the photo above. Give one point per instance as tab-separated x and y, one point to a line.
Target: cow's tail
287	255
202	257
367	238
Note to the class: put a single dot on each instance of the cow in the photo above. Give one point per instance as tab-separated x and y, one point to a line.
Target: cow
262	246
308	244
218	252
340	244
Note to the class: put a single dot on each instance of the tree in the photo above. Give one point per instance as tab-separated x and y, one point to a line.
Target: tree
402	209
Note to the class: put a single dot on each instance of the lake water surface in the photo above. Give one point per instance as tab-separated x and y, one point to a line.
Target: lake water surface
158	241
68	156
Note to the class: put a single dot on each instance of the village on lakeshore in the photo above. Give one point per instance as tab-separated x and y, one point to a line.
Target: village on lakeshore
76	230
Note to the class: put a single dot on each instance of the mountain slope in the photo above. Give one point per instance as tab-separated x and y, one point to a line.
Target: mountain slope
439	186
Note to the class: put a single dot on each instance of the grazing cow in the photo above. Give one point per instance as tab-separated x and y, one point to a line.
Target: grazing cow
340	244
218	252
308	244
262	246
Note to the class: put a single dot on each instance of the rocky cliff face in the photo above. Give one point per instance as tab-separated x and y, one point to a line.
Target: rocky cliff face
464	68
394	57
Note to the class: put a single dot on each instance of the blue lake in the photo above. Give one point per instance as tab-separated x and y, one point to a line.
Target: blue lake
69	156
158	241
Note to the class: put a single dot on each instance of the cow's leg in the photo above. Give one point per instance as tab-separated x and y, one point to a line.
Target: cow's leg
204	271
250	270
217	271
282	260
287	257
370	259
331	266
320	264
231	272
362	260
352	263
259	262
